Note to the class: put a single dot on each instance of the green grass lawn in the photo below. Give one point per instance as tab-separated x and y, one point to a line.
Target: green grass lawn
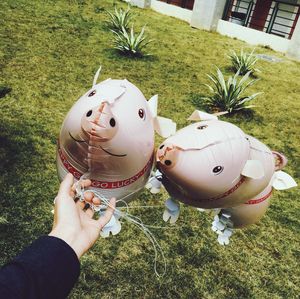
49	52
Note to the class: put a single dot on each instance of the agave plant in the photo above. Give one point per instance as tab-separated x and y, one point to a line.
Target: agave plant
243	62
119	19
228	95
3	220
129	43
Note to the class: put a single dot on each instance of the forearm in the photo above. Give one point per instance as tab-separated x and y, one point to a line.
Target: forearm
48	268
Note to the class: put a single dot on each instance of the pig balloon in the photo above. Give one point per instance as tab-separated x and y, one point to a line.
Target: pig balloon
108	137
214	165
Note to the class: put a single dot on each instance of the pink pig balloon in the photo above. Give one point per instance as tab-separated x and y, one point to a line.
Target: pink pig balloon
108	137
213	164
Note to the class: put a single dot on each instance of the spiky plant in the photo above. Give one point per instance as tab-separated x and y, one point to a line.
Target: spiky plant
228	95
119	19
130	43
3	220
243	62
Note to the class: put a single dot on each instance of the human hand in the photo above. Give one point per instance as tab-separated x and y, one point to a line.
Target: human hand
74	224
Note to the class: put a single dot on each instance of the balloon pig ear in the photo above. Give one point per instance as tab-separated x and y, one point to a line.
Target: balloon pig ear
164	126
96	76
200	115
280	160
153	105
253	169
281	181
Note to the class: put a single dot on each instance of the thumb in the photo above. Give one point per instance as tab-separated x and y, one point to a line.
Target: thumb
103	220
65	186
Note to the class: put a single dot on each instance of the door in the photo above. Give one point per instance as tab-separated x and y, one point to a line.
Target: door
260	14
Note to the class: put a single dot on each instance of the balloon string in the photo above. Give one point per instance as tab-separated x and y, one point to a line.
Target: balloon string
142	207
132	219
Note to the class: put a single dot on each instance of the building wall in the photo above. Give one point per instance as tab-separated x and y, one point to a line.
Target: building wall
172	10
283	22
207	14
294	48
252	36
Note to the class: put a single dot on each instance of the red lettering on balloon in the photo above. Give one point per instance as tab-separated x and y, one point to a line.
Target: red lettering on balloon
105	184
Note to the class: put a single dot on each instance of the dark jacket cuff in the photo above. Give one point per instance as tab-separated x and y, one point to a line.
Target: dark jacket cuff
53	264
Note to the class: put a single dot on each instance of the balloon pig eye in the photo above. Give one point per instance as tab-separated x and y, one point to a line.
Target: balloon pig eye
112	122
218	169
202	127
92	93
89	113
142	113
168	162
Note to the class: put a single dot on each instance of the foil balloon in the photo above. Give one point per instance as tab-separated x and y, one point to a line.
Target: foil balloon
108	137
214	165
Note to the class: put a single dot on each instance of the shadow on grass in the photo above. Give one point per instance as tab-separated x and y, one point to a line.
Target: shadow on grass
206	255
99	9
4	90
16	146
196	100
288	219
245	115
20	190
237	288
231	69
105	26
117	55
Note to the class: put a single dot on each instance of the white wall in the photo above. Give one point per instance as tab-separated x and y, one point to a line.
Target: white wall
252	36
140	3
294	48
172	10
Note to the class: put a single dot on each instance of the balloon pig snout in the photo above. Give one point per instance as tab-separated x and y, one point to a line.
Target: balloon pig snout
167	155
99	123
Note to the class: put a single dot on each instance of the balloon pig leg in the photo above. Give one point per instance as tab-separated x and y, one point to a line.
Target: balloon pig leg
113	226
172	210
223	226
154	184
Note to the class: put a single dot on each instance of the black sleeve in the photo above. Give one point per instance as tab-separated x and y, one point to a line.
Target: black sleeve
48	268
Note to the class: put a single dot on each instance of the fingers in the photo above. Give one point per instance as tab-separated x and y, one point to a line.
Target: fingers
83	184
90	199
103	220
96	201
80	204
65	186
88	196
86	183
90	212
